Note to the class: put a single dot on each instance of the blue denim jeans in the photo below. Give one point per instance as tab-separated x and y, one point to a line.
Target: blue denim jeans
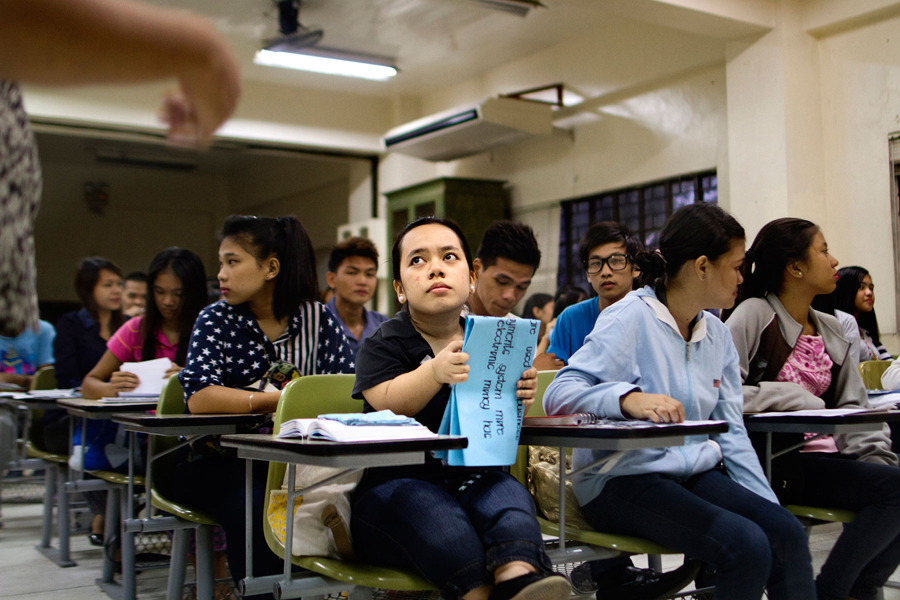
753	544
868	550
454	526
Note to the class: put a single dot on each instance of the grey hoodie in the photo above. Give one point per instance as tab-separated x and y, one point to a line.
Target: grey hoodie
764	334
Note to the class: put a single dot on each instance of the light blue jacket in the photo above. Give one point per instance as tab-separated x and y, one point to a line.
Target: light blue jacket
636	346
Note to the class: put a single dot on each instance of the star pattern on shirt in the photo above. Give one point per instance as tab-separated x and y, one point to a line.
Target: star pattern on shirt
227	347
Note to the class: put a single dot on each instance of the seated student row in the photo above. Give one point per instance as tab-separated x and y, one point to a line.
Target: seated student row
265	271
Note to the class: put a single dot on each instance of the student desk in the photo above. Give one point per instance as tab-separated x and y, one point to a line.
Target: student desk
616	437
347	456
190	428
84	409
820	425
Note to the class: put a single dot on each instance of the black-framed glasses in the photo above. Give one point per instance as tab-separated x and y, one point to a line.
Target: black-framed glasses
616	262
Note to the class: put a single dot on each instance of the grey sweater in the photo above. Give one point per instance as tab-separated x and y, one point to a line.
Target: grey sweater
764	334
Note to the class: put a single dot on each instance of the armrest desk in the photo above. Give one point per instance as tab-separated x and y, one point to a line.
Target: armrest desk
347	456
820	425
603	436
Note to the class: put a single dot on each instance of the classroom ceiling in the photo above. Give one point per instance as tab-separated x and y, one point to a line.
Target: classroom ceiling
435	42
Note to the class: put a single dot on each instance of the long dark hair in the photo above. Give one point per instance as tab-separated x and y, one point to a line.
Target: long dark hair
286	238
695	230
777	244
849	281
188	268
86	278
537	300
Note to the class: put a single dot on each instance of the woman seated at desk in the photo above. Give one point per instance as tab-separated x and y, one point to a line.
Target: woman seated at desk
472	532
177	293
793	357
269	323
81	338
657	355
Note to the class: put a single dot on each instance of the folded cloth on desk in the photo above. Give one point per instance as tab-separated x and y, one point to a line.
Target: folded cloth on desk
382	417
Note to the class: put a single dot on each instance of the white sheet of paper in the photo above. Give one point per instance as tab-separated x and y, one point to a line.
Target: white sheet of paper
820	412
151	374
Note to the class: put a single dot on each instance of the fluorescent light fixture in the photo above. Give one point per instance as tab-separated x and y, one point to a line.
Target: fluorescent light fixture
330	62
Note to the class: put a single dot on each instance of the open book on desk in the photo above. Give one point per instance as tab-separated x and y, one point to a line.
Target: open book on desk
325	429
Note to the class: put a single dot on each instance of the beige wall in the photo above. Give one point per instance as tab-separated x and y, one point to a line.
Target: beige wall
861	107
149	210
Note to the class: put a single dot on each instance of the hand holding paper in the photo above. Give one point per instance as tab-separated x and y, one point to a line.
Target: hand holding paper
449	366
150	375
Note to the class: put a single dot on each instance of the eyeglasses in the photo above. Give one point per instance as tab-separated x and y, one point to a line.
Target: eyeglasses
616	262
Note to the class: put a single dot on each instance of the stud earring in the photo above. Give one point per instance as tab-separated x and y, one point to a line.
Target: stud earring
472	287
401	298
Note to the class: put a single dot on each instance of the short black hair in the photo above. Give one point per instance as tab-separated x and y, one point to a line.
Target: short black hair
608	232
354	246
286	238
510	240
136	276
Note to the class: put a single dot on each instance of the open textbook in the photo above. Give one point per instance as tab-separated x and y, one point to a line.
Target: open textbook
356	428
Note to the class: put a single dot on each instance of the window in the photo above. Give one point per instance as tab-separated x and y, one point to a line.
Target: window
644	209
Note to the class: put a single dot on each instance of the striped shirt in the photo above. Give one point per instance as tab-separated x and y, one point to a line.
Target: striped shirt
229	349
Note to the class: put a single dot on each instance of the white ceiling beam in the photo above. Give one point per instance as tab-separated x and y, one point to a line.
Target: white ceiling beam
822	18
724	19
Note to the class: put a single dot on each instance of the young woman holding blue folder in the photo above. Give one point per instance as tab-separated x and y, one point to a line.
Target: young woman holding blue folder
472	532
657	355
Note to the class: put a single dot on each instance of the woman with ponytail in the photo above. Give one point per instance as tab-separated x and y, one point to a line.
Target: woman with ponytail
793	357
269	329
657	355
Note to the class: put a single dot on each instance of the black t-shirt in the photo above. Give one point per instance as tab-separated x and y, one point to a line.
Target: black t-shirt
394	349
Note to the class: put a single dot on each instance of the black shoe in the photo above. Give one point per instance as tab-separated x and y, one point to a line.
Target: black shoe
632	583
96	539
533	586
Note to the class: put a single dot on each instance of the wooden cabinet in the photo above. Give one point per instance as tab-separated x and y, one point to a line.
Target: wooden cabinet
473	203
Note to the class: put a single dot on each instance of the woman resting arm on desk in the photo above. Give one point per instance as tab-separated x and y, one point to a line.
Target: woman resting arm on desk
656	355
793	357
471	532
177	294
268	329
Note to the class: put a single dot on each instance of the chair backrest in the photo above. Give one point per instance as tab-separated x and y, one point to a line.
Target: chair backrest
871	371
171	402
305	398
519	470
44	378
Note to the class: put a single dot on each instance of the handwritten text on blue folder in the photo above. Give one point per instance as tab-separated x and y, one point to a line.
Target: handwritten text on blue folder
484	408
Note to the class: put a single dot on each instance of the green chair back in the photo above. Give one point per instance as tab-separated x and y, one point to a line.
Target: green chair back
171	402
871	372
309	397
44	379
520	469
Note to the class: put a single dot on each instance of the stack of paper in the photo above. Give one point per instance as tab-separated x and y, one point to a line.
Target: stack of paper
326	429
150	373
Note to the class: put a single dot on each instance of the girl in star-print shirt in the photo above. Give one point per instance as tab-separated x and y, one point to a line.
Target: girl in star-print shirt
269	318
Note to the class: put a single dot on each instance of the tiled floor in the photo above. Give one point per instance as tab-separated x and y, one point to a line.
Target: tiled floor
26	575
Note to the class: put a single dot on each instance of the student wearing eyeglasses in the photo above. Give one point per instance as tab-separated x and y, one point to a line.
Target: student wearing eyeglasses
607	253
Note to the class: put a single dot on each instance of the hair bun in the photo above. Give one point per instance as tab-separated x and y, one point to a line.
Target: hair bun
652	265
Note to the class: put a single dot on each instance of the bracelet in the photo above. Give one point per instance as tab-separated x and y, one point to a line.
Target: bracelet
250	401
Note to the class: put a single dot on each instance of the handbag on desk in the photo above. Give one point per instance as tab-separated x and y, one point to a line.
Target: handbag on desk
321	517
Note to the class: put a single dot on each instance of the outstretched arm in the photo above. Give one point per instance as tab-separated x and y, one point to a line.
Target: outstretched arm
72	42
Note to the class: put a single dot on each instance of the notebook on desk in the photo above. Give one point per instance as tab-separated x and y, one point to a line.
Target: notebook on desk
129	400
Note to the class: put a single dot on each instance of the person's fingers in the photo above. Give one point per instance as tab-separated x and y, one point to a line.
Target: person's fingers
651	414
459	358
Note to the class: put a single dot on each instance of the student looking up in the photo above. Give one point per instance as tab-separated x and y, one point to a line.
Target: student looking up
244	349
657	355
134	297
607	254
470	531
793	357
352	274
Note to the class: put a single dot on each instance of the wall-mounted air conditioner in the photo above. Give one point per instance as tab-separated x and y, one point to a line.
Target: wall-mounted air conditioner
470	129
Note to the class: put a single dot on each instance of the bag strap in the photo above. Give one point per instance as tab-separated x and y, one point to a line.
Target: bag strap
332	519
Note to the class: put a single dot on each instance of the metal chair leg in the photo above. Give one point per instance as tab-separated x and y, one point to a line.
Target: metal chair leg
206	580
49	492
178	564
